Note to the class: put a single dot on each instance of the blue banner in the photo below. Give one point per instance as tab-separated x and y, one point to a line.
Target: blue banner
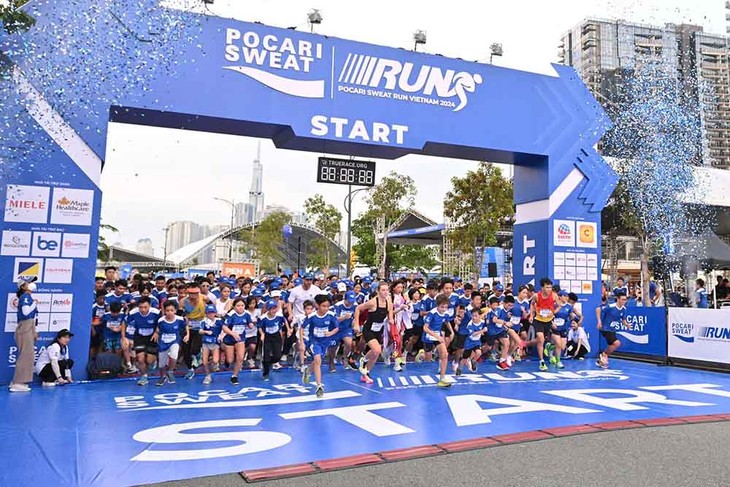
645	332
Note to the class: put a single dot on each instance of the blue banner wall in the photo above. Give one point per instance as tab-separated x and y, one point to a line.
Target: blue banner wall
645	332
134	61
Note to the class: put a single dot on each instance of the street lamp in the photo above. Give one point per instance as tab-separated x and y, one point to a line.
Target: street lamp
419	37
230	236
348	209
314	17
495	49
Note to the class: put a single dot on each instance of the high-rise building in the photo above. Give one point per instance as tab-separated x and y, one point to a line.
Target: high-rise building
182	233
255	206
144	246
601	51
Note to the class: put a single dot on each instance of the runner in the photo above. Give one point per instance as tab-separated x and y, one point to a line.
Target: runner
322	329
473	343
210	330
234	327
542	312
610	318
143	320
168	333
380	313
271	326
402	322
345	312
193	309
433	335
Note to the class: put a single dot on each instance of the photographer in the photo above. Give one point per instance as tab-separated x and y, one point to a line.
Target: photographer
54	364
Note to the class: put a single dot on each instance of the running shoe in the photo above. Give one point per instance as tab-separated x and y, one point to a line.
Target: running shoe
170	377
216	367
553	359
472	366
332	368
21	387
419	356
509	360
320	390
503	365
443	384
454	366
277	366
143	381
543	367
349	365
45	384
234	380
208	379
153	367
494	356
560	365
366	379
548	349
266	377
386	358
305	375
190	374
458	372
517	356
363	367
250	363
284	358
397	367
161	381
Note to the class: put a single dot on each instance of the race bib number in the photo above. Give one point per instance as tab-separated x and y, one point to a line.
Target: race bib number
130	330
145	332
545	313
414	316
320	332
168	337
238	328
377	326
515	320
475	336
559	322
272	329
194	324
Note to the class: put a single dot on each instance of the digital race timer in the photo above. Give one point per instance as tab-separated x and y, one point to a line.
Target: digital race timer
346	171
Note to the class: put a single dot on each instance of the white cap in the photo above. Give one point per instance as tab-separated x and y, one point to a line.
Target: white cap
275	294
342	287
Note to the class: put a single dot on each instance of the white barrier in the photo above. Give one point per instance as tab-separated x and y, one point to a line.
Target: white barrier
699	334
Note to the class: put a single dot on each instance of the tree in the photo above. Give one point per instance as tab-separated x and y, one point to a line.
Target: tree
266	240
327	219
478	205
391	197
102	251
13	18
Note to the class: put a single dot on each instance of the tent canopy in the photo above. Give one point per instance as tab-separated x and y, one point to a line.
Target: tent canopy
711	251
414	228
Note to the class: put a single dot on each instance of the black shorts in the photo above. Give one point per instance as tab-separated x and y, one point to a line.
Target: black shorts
416	331
144	344
467	353
610	336
430	346
252	341
447	331
542	326
459	341
498	336
369	335
561	333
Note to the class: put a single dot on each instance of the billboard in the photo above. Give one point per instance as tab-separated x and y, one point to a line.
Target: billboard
699	334
239	269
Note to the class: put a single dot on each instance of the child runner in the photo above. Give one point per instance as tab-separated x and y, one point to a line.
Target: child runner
542	311
427	304
497	319
345	312
473	343
251	333
413	335
610	318
521	311
322	327
380	312
513	326
144	321
234	328
402	321
210	330
168	332
271	325
111	324
303	333
433	335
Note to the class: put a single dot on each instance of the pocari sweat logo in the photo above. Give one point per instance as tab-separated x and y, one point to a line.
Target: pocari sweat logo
274	61
634	329
684	332
405	81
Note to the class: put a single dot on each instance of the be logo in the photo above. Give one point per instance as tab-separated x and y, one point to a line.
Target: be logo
46	244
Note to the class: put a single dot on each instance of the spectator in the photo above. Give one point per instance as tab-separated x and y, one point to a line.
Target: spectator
721	290
700	294
25	336
54	365
578	345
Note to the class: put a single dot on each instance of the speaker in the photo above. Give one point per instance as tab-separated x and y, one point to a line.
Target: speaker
492	269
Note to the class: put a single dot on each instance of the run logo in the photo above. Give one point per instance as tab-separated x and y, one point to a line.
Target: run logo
714	333
423	84
274	61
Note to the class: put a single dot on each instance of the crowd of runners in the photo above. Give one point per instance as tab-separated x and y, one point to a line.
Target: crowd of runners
214	323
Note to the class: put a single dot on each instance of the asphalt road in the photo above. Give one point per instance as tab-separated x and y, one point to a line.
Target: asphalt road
696	454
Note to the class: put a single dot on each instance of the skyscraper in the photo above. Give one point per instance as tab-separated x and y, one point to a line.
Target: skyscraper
601	51
255	206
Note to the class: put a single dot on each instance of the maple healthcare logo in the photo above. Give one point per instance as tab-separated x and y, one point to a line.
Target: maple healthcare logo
26	204
72	206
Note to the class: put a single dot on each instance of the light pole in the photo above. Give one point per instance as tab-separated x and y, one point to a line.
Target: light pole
230	237
495	49
348	208
419	38
167	230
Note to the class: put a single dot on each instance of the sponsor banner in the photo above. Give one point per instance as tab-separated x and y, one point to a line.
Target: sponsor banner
26	204
72	206
240	269
564	233
645	331
46	244
28	267
75	245
15	243
58	271
699	334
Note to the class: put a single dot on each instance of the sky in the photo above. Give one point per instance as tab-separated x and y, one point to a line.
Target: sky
180	172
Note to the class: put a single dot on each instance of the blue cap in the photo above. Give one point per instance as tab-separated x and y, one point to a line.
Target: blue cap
275	285
211	309
272	304
309	276
350	296
562	293
298	281
499	287
257	293
457	279
367	279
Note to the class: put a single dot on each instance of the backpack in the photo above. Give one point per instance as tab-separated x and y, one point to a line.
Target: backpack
105	365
